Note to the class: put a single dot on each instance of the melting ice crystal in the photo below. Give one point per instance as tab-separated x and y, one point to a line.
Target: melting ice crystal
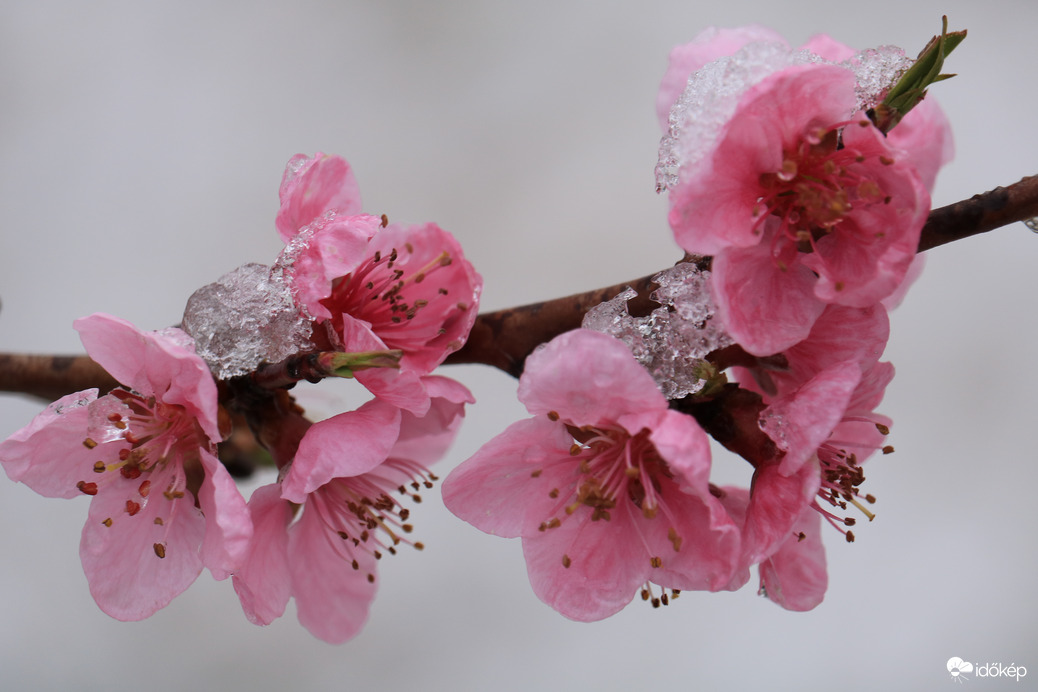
245	318
674	339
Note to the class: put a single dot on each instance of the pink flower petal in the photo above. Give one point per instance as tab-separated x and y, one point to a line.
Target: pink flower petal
776	503
764	308
48	454
332	598
312	186
505	488
795	575
263	583
607	562
228	526
348	444
587	378
159	364
801	421
143	560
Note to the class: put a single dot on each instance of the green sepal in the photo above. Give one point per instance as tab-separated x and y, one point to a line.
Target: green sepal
911	88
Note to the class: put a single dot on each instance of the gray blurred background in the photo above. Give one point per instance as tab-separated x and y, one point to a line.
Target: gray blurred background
142	145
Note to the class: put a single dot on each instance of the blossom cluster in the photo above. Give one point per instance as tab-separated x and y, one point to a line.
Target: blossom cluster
164	506
799	212
802	219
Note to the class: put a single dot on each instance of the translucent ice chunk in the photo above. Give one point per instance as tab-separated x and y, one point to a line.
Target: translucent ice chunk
1032	224
674	339
244	319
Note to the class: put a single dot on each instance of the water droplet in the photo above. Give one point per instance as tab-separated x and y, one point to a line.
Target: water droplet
1032	223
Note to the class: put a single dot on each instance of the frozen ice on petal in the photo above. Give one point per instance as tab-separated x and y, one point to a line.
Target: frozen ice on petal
673	340
714	91
245	318
709	100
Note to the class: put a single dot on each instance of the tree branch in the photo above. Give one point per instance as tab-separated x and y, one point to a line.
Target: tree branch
504	338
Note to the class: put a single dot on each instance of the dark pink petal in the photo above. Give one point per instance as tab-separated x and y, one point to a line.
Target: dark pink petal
776	502
48	454
228	526
160	364
312	186
505	488
795	575
587	378
607	562
263	582
345	445
332	598
764	308
143	560
801	421
710	44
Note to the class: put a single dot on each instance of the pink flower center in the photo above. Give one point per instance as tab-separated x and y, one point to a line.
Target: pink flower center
611	467
389	292
162	443
842	477
820	183
362	512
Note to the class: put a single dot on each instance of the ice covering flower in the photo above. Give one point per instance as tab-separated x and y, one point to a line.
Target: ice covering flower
341	485
606	485
163	505
799	198
375	287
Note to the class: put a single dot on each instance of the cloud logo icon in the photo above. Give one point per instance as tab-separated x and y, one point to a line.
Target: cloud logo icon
956	666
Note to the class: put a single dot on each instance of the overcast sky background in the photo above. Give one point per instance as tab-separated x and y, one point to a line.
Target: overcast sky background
142	145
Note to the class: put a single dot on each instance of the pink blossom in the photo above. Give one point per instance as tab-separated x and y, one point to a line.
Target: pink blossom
606	485
321	531
163	506
375	288
801	208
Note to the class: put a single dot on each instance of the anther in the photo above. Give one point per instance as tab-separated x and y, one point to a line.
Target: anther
566	562
87	488
89	444
160	550
99	467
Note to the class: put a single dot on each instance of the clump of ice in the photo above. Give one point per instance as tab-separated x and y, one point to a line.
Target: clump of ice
245	318
876	70
674	339
713	93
